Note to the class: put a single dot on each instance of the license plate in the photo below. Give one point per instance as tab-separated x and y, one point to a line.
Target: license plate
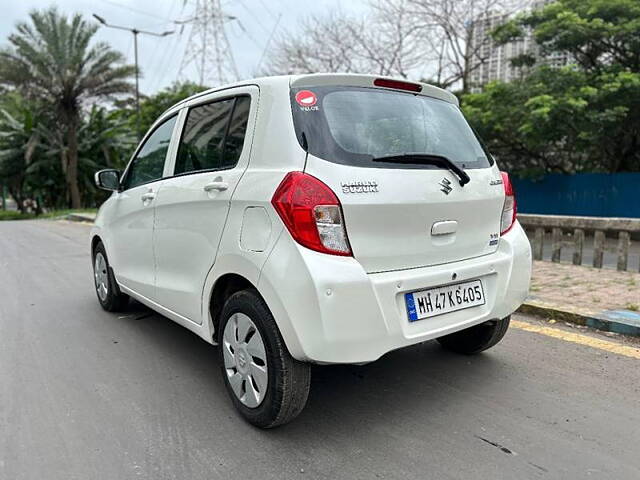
446	299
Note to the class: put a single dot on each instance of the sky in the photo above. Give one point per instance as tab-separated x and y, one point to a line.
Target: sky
160	58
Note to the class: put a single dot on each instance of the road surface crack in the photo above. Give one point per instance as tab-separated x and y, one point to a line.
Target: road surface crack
497	445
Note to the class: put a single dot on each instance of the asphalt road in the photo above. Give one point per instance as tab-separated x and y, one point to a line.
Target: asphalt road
85	394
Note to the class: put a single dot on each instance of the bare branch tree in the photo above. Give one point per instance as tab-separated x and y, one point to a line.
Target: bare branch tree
452	32
441	41
385	42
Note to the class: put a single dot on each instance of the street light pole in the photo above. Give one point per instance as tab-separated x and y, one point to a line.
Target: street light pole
135	33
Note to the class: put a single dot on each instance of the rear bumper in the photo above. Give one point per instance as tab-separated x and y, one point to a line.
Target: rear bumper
330	310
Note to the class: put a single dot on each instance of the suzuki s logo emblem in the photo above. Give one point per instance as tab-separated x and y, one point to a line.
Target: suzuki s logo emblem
446	186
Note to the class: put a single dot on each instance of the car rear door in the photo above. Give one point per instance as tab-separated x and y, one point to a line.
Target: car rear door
405	212
192	206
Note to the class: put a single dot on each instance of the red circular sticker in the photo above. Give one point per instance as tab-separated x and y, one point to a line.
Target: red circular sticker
306	98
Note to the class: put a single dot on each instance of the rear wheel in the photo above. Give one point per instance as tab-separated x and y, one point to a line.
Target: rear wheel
476	339
109	294
266	385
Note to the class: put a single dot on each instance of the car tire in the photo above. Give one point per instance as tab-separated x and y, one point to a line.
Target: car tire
107	290
477	338
245	324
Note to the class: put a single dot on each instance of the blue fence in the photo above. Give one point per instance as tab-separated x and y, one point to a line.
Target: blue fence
591	194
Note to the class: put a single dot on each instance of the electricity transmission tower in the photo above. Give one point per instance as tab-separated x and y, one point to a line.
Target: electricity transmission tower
208	48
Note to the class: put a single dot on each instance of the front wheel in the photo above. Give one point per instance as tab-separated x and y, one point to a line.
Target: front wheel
266	385
109	294
476	339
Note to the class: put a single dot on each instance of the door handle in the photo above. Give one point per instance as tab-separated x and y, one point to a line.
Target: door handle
220	186
147	196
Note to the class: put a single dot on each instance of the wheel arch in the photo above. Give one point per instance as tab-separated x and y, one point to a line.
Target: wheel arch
225	286
95	239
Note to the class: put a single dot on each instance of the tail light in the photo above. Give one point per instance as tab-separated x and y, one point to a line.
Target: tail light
510	206
312	214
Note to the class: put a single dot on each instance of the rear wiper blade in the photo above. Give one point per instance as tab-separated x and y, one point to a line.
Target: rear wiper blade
425	158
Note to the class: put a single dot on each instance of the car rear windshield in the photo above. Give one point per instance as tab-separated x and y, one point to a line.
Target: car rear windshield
354	125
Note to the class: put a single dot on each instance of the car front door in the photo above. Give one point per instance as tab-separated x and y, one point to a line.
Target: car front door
192	206
131	232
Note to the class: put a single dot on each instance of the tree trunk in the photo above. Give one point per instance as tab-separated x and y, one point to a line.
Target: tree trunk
72	163
17	197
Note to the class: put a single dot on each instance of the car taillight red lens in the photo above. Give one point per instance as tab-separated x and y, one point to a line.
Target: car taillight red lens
312	213
510	206
397	84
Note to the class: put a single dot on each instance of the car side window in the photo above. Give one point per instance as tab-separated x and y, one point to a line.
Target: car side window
213	136
148	164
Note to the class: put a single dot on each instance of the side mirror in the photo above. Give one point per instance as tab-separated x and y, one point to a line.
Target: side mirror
108	179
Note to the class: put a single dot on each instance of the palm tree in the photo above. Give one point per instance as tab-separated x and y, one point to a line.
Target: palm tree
51	59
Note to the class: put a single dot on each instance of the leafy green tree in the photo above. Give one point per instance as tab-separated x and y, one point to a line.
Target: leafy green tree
584	117
52	59
106	141
560	120
597	33
151	107
18	145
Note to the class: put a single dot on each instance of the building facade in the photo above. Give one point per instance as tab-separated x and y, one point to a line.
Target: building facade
493	62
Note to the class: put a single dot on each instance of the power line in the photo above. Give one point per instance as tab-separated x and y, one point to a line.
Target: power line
252	15
153	64
136	10
268	10
266	46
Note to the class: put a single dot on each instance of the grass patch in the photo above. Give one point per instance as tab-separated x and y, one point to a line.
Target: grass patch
633	307
14	215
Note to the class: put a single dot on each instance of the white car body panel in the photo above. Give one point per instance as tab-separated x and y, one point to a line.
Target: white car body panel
329	309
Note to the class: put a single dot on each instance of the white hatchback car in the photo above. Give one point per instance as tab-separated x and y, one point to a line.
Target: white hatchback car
313	219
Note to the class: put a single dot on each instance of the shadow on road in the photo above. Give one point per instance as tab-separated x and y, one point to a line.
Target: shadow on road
423	378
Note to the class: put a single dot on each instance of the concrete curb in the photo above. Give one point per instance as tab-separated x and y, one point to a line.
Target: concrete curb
624	322
81	217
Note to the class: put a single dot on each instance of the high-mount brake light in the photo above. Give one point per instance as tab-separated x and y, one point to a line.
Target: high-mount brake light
510	205
397	84
312	213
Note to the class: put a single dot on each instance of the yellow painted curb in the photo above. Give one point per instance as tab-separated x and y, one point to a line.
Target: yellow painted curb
607	346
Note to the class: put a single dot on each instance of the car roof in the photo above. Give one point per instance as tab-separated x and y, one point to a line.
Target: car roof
320	79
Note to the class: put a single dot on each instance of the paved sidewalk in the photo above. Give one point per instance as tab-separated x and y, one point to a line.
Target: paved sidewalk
601	298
